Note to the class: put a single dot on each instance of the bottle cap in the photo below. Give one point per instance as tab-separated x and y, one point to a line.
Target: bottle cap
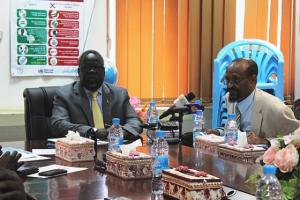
231	116
269	169
199	112
198	101
152	103
160	133
115	121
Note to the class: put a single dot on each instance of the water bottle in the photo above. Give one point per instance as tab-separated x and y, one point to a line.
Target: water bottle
199	124
268	187
152	115
115	135
160	154
231	129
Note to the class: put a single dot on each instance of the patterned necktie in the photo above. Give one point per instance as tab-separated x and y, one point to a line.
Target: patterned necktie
97	114
238	116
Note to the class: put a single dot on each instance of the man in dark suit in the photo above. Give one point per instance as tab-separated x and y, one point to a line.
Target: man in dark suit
72	106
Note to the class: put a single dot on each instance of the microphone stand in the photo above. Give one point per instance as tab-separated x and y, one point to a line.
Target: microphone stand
179	119
100	165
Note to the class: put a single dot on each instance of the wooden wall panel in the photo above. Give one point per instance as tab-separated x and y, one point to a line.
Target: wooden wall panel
121	41
218	27
159	48
273	22
206	51
250	18
229	21
262	20
146	49
194	46
170	72
183	40
285	42
134	39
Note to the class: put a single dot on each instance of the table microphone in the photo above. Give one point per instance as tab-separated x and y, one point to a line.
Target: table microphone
181	101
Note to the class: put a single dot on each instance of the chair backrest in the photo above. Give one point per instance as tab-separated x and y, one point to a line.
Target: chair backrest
38	103
270	71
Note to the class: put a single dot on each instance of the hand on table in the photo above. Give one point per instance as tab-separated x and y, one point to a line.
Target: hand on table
101	134
252	138
11	186
10	160
212	131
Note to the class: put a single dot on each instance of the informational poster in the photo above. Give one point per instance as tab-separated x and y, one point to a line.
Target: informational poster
46	37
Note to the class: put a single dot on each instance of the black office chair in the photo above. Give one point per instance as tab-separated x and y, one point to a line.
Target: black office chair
38	103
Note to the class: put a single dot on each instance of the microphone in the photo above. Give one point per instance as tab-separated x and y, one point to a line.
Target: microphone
181	101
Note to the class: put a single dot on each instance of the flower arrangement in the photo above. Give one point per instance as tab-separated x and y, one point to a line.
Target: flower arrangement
140	111
284	154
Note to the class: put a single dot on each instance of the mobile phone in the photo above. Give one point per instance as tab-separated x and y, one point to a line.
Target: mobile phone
23	171
53	172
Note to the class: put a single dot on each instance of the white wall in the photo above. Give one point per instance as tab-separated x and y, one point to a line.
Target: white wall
11	88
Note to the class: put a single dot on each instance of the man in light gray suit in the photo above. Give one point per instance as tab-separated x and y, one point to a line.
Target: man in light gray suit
261	115
72	103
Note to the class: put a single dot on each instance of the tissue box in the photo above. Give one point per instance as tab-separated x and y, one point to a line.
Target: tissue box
246	155
129	167
191	185
209	143
75	151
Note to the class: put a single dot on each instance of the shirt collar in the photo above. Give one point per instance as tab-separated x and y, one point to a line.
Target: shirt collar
246	103
89	92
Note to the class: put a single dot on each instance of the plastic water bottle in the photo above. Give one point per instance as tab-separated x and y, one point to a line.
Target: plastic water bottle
152	115
160	154
199	124
268	187
231	129
115	135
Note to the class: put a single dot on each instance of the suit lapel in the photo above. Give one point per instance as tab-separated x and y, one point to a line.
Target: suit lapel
106	104
83	102
257	112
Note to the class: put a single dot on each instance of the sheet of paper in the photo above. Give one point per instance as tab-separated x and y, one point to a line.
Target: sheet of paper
52	139
50	167
25	155
44	151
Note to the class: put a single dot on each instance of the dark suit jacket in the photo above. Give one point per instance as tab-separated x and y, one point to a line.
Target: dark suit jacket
72	111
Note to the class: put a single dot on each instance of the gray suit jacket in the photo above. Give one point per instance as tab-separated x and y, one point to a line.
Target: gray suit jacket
270	116
72	111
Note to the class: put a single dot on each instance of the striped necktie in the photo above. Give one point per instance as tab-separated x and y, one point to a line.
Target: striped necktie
238	116
97	113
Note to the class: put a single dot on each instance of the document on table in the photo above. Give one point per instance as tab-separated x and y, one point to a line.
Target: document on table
50	167
44	151
25	155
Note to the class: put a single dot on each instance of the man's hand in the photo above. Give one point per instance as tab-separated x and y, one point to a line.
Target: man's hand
10	160
101	134
11	186
212	131
252	138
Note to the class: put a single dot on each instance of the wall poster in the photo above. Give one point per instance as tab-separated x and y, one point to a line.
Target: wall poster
46	37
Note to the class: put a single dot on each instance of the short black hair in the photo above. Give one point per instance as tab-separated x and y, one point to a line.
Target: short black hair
252	68
84	59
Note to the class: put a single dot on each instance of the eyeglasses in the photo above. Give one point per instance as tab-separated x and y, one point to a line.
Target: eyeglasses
235	80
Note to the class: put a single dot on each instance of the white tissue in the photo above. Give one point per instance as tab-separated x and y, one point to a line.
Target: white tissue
75	138
242	139
127	148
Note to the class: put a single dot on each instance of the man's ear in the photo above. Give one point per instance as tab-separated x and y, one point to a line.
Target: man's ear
78	71
253	78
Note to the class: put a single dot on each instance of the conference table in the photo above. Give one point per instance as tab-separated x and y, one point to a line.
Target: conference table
91	184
